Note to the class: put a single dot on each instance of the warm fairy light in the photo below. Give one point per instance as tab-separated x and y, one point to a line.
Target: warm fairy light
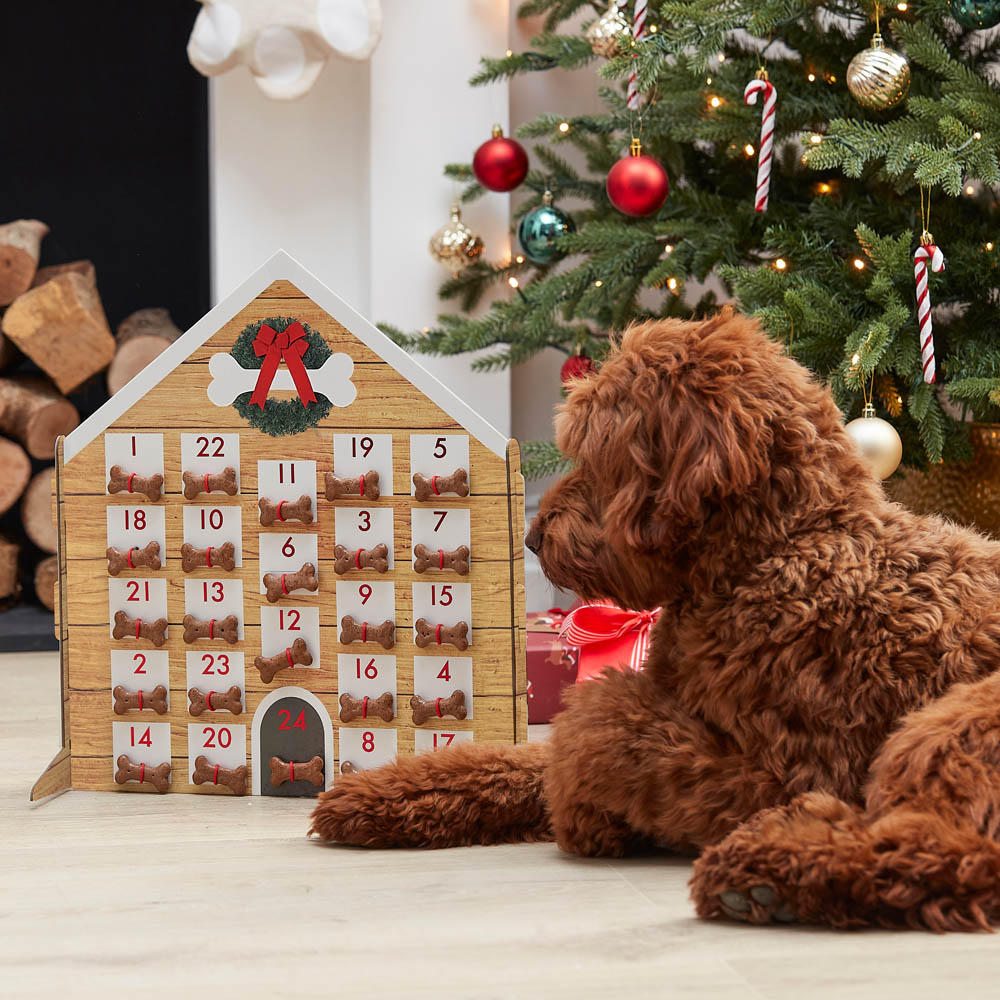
564	126
902	7
722	57
831	79
669	248
989	245
969	189
748	149
811	77
425	329
859	263
519	259
815	138
672	284
856	360
899	399
824	187
715	102
708	80
510	52
652	29
780	264
598	283
977	135
513	282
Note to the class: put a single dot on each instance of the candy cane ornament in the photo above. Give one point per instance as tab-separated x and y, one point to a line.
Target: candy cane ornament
760	84
638	30
927	251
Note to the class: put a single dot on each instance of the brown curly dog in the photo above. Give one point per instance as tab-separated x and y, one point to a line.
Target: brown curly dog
820	712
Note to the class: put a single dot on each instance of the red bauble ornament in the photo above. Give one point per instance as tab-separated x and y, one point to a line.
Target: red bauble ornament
576	366
500	164
637	184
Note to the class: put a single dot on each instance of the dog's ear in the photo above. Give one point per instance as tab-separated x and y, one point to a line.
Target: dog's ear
673	426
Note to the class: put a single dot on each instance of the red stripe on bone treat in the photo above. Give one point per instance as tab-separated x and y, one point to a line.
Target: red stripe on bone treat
365	485
286	510
215	701
352	631
438	708
235	779
120	481
441	635
215	556
352	708
295	655
128	770
279	585
376	558
457	560
136	628
224	629
136	701
428	487
311	771
218	482
147	557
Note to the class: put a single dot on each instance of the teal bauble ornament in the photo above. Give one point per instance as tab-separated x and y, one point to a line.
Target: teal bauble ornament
540	229
975	14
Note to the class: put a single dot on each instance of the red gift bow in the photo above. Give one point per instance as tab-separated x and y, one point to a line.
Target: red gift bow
602	622
287	346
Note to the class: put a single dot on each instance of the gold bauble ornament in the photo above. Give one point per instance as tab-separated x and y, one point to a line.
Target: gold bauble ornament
878	77
878	442
455	245
609	32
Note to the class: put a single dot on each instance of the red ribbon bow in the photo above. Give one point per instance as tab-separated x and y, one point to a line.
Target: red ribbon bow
287	346
602	622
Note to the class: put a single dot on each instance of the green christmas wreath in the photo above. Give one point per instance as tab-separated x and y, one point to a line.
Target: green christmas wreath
280	417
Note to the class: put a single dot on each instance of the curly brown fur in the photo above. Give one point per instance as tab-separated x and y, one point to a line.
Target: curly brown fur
819	708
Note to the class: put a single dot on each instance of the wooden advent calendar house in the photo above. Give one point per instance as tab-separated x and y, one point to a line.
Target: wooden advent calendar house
285	550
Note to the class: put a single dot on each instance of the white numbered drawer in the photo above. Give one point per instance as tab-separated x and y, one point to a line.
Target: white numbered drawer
366	675
438	455
443	604
214	526
208	599
141	454
442	530
364	528
139	599
280	553
366	748
280	627
222	744
215	671
140	671
135	527
434	739
440	676
373	602
143	742
280	480
358	454
208	452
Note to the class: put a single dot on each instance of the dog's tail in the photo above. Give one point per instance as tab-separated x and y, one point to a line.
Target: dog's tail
453	797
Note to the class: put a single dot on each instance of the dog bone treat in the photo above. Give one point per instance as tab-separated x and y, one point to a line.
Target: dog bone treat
210	482
365	485
120	481
214	557
346	767
136	628
226	629
215	701
375	558
352	708
137	701
441	635
235	779
280	585
456	560
438	708
352	631
428	487
158	777
148	557
311	771
297	654
286	510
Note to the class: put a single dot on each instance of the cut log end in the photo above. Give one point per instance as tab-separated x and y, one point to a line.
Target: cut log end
131	357
20	244
34	414
15	471
36	511
9	551
46	574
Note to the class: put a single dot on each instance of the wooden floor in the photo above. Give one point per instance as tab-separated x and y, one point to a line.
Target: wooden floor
149	896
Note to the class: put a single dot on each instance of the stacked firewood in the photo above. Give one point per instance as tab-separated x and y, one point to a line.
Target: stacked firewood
54	338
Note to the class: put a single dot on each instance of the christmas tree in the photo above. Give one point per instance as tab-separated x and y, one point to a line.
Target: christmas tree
855	171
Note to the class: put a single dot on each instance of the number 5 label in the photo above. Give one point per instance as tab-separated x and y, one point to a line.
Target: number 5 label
438	455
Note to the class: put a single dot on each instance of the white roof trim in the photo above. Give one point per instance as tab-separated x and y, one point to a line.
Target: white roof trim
283	267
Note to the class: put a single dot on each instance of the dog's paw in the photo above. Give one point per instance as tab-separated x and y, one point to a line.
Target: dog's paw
761	905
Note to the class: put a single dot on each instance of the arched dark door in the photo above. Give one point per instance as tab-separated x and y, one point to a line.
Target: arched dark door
292	730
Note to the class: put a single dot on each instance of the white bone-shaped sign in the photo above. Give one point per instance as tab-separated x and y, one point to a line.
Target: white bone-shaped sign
332	379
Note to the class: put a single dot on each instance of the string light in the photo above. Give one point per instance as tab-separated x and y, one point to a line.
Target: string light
519	259
859	263
509	53
811	77
902	7
669	248
856	360
598	283
831	79
425	329
780	264
513	282
824	187
815	138
977	135
748	149
989	245
708	80
564	127
652	29
969	189
715	101
672	284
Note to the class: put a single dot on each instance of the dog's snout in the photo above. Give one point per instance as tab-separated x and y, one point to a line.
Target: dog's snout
533	539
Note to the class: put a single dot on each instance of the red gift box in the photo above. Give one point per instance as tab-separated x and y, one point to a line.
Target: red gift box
607	636
551	666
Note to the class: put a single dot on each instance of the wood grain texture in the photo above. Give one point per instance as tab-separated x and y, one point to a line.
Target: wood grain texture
386	403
